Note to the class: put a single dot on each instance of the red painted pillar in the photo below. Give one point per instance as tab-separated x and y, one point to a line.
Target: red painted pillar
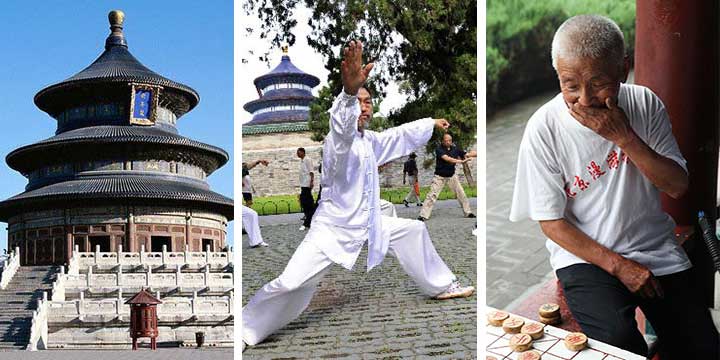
676	55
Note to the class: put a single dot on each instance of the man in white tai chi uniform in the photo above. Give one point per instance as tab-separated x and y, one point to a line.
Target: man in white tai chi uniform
348	214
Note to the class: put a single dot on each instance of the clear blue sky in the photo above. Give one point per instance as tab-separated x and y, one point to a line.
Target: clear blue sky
49	41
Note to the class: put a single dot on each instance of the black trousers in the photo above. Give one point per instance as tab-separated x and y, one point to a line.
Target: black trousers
307	204
605	310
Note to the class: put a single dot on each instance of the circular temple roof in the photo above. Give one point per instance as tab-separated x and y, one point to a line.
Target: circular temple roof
115	65
130	188
286	71
25	158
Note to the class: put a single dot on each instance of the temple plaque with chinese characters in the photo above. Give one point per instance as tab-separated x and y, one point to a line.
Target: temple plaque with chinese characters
143	104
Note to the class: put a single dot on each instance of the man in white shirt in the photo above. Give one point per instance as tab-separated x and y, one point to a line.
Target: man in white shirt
591	165
348	215
307	182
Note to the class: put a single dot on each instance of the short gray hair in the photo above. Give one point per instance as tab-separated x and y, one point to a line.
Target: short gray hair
592	36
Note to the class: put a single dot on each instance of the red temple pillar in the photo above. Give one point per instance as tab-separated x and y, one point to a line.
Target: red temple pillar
676	55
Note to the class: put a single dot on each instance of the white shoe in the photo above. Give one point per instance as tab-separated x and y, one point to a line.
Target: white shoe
263	244
242	347
302	228
456	291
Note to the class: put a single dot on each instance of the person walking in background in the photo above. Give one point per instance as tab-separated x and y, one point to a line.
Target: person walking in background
411	170
447	155
247	189
307	181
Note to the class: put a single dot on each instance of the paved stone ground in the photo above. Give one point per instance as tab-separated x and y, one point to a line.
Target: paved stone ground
516	256
376	315
142	354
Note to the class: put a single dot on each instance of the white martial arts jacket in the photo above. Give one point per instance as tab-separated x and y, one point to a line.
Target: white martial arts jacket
349	208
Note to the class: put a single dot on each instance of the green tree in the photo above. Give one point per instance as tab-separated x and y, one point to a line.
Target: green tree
427	46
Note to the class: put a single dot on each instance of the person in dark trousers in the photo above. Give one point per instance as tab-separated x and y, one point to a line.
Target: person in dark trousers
591	166
307	181
410	170
447	155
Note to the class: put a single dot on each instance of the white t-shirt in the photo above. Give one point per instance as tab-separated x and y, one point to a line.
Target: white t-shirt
566	170
246	184
306	167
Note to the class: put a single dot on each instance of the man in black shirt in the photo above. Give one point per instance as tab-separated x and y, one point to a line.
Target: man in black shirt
447	155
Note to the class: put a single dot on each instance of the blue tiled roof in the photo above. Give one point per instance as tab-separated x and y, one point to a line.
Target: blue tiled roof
113	188
115	65
24	158
286	71
277	117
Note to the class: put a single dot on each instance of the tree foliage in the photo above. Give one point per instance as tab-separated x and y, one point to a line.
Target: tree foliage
426	46
519	35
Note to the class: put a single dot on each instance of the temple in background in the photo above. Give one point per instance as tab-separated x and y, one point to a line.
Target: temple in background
116	173
279	126
117	203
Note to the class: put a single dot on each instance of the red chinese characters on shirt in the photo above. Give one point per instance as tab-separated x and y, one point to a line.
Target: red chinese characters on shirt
580	183
613	160
569	193
595	170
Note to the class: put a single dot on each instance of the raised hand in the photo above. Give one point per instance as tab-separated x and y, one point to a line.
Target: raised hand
610	122
442	124
354	73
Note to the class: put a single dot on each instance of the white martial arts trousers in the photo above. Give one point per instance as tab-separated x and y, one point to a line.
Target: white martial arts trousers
251	223
282	300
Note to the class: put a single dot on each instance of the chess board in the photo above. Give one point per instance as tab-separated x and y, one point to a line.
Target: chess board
551	346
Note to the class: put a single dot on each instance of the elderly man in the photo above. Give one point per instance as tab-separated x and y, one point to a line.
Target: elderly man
591	165
348	215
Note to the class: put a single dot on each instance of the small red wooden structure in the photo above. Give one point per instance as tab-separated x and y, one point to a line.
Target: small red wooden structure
143	318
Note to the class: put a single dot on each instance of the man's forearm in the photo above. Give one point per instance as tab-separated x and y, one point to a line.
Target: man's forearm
579	244
451	160
666	174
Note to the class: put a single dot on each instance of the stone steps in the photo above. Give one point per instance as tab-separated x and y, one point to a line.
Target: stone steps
18	302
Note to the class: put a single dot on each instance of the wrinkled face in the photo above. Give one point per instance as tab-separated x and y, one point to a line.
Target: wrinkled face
447	140
588	81
366	108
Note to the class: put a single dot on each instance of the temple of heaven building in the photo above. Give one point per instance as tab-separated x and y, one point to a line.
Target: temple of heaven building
284	103
116	172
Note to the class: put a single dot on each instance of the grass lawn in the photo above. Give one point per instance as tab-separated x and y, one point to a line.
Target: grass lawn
287	204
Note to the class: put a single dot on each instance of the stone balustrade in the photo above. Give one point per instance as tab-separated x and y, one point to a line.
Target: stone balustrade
39	325
10	267
147	278
185	258
171	307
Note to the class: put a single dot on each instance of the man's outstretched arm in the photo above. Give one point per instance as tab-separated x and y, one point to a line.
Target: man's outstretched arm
401	140
636	277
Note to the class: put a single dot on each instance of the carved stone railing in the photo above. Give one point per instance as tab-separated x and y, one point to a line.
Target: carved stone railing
197	307
119	279
200	259
39	325
10	267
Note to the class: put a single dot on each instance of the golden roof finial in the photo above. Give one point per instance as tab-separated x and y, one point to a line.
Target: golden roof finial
116	18
285	49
